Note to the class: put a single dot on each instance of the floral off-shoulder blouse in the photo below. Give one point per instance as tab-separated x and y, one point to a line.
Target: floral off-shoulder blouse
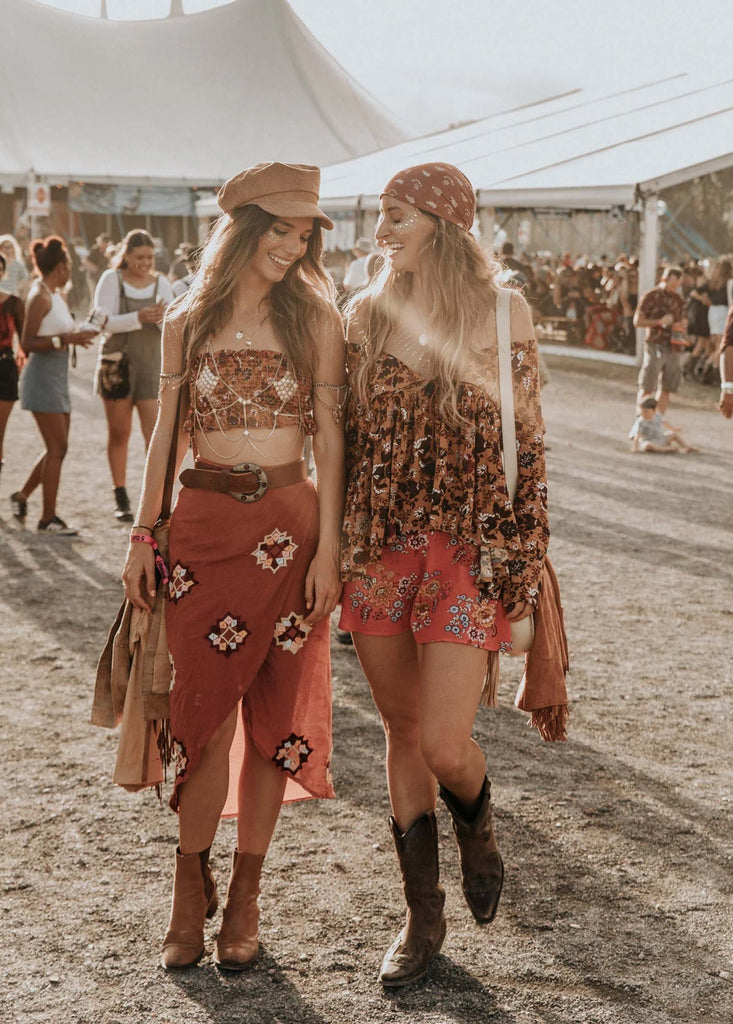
409	470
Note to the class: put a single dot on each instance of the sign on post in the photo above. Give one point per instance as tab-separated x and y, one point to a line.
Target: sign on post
39	198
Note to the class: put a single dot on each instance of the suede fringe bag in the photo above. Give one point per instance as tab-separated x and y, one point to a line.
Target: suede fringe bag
541	636
134	671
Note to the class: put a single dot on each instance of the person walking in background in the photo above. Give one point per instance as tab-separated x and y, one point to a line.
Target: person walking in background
257	343
437	558
48	334
718	293
179	267
356	274
698	325
661	308
16	280
96	262
12	358
134	297
181	284
726	368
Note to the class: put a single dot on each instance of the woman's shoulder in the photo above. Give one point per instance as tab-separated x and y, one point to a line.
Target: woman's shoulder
163	285
357	314
38	295
522	324
111	274
176	313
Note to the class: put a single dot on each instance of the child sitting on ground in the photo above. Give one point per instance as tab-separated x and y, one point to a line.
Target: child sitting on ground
650	433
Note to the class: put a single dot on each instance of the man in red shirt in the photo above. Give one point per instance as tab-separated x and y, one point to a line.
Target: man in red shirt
660	309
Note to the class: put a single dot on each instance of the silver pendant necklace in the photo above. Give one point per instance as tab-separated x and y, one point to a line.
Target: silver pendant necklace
239	334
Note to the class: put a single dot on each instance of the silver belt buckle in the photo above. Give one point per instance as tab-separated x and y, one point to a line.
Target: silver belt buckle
259	473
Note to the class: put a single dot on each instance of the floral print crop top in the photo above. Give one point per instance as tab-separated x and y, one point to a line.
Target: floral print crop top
410	470
248	389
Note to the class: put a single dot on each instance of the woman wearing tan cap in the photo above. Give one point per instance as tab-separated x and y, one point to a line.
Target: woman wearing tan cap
439	561
257	345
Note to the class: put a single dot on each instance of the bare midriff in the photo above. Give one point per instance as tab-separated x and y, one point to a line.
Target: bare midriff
229	449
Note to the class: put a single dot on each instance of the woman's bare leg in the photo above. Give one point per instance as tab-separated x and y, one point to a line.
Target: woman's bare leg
147	411
452	677
54	428
119	426
202	796
260	796
5	410
391	667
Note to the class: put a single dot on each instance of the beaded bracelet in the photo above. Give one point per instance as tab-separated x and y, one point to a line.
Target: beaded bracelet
159	563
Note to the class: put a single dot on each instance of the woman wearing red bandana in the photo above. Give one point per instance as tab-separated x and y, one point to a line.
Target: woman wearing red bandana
438	559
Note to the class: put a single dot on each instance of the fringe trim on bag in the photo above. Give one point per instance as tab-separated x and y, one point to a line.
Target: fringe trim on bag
550	723
165	743
491	681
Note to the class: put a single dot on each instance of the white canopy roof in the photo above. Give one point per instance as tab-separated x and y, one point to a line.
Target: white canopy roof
179	101
582	150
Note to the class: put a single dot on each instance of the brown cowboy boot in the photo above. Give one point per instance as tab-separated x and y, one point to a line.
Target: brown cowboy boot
481	865
194	898
409	956
237	942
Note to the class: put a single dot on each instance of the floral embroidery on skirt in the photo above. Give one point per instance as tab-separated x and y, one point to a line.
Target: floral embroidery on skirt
224	601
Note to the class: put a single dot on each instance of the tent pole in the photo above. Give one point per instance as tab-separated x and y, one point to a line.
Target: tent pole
648	257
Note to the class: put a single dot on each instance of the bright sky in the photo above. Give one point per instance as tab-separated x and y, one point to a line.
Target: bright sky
437	62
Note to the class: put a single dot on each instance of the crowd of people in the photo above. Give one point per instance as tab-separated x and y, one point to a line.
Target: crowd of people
126	286
118	292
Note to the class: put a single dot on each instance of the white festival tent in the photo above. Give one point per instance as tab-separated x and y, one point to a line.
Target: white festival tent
585	150
187	100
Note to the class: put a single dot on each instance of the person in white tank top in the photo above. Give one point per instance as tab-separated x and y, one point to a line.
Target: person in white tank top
48	333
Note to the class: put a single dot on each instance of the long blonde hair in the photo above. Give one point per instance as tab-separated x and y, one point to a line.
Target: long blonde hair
460	280
300	305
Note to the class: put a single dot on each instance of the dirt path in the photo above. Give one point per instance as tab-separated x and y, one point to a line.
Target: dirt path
617	906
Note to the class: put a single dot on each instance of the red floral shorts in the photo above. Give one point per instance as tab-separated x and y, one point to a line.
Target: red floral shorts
427	583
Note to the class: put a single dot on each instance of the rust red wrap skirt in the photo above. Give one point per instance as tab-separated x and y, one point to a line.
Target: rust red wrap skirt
236	636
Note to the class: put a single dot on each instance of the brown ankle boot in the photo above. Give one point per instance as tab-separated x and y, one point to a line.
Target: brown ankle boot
194	899
481	865
409	956
237	942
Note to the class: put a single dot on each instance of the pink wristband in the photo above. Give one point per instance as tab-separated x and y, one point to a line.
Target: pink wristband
159	563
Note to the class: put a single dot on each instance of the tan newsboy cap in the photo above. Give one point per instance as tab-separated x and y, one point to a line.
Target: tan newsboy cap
287	190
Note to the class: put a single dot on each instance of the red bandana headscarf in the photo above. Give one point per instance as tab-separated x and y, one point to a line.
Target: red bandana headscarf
440	189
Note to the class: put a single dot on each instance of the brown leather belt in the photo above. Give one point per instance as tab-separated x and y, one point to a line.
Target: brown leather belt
247	481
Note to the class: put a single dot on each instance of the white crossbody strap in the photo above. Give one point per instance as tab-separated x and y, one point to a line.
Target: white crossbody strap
506	391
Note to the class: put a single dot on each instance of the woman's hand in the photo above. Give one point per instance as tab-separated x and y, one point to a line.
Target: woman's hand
322	587
138	576
82	338
519	611
152	314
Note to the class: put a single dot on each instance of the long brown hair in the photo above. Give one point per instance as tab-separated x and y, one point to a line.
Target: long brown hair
460	279
722	272
135	239
300	305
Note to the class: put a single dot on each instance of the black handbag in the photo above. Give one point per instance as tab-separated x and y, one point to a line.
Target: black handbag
114	375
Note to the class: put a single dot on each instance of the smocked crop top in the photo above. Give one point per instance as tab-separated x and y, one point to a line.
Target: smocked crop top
249	389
